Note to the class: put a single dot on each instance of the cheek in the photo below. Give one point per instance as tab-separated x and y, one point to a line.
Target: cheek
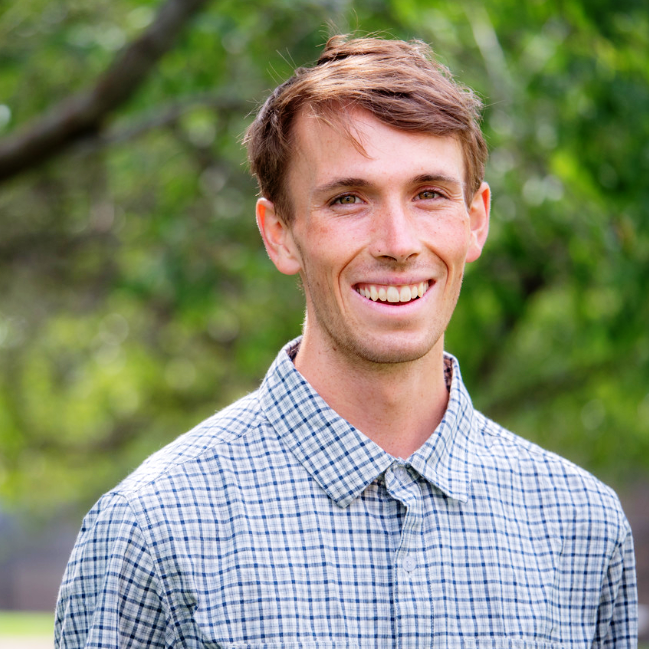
330	251
319	269
450	242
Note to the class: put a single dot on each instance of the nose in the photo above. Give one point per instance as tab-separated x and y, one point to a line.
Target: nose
395	234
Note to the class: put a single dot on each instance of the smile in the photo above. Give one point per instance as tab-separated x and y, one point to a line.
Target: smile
391	293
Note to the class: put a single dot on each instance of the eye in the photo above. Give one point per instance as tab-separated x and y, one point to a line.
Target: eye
429	194
346	199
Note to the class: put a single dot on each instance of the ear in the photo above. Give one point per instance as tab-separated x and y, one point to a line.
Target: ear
278	238
479	221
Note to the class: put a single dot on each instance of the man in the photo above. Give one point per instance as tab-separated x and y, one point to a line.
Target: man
357	499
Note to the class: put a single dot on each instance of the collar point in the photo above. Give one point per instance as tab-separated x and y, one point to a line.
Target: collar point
343	502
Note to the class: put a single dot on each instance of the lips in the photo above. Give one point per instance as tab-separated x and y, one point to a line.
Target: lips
392	293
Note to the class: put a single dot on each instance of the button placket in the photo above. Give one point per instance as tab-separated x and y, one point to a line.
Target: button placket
412	605
403	487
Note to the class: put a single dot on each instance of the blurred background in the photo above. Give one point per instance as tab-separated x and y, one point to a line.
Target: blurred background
136	297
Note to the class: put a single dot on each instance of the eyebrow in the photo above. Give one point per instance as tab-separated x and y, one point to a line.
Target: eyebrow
436	178
349	183
342	183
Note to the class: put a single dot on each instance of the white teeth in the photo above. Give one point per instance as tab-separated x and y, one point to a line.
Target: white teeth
394	293
404	294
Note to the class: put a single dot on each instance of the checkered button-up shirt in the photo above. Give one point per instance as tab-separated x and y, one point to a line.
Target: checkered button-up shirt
276	524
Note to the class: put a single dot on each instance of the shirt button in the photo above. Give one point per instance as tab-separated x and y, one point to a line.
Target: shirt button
409	564
400	472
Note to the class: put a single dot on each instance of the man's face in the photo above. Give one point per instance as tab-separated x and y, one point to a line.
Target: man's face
380	237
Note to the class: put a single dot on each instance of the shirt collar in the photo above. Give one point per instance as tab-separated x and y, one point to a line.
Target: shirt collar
342	459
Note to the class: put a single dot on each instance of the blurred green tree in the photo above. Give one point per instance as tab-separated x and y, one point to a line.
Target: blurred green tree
135	295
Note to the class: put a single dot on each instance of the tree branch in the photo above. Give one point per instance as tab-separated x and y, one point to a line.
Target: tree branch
85	113
162	117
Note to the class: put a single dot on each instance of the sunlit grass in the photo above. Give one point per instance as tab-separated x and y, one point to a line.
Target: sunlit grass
26	623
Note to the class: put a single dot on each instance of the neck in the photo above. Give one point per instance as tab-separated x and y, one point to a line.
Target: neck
397	405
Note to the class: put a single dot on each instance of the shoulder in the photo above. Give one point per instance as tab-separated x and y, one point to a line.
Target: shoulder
560	489
230	433
194	479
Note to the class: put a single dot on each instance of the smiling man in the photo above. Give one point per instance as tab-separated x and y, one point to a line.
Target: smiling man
357	499
380	237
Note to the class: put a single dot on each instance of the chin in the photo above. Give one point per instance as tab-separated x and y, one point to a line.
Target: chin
387	352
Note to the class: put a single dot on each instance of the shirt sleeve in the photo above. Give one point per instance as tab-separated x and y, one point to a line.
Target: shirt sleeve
110	595
617	624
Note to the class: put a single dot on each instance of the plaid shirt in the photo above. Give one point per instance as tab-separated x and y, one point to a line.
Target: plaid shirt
276	524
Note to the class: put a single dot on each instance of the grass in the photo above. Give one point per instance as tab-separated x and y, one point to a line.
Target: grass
16	623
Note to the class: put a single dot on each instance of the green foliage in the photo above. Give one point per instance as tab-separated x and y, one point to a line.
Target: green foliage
135	295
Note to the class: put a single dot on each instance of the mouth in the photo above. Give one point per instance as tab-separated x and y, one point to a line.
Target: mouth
394	294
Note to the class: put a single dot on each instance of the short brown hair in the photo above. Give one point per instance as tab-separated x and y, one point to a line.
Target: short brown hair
398	82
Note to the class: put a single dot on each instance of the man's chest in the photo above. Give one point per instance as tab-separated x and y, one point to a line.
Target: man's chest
401	566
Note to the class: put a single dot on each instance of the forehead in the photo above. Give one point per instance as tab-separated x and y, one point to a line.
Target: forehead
355	142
